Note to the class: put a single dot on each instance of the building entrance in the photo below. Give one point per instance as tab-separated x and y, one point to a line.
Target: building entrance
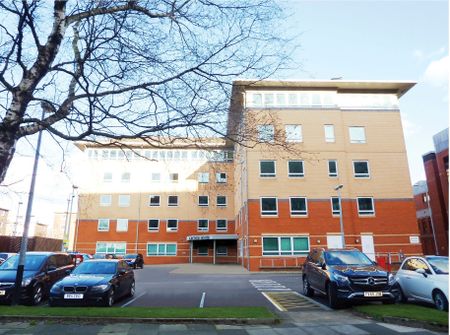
214	249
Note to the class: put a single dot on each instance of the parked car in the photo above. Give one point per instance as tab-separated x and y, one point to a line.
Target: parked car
345	275
94	282
425	279
5	255
78	257
42	270
134	260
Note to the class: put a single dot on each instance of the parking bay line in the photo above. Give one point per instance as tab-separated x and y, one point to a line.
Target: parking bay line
134	299
279	307
202	301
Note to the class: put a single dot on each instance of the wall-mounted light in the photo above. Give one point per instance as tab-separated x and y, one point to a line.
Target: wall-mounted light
356	240
255	241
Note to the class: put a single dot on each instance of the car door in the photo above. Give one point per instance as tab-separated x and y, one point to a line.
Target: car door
415	284
51	272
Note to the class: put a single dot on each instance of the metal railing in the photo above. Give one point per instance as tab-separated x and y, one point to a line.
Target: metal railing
281	262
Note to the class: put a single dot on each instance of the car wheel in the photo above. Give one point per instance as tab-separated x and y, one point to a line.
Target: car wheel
142	265
37	295
333	301
307	290
109	300
401	296
132	289
134	266
440	301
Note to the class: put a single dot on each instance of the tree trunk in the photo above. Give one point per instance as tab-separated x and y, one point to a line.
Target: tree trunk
8	142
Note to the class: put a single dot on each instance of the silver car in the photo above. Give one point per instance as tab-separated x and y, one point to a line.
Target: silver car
426	279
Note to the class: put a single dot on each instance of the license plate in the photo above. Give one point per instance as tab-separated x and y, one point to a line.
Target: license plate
2	292
373	294
73	296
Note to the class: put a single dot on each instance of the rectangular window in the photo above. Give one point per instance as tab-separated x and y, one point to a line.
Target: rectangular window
366	206
107	177
203	177
172	225
221	201
269	206
161	249
103	225
267	169
285	245
293	133
156	176
221	251
266	133
332	168
295	169
357	134
154	200
105	200
124	200
298	206
203	225
202	251
126	177
335	208
173	177
122	225
203	200
118	248
153	225
361	169
221	225
221	177
172	200
329	133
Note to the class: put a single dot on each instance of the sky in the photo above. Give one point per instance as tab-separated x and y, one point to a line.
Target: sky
355	40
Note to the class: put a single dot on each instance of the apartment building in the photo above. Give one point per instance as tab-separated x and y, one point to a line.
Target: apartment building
265	202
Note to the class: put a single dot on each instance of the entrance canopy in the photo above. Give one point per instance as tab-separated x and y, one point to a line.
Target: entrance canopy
212	237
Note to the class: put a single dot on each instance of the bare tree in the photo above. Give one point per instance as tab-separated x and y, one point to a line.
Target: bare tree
121	69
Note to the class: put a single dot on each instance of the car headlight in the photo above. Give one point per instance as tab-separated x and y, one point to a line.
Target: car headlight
26	281
341	279
102	287
392	279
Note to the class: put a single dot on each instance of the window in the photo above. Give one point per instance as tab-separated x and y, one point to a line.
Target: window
156	177
172	225
361	169
173	177
161	249
335	208
365	206
329	133
285	245
118	248
105	200
332	168
107	177
357	134
203	177
267	169
266	133
124	200
221	225
221	251
295	169
203	225
221	201
203	200
293	133
298	206
269	206
202	251
221	177
103	225
125	177
153	225
172	200
122	225
154	200
414	264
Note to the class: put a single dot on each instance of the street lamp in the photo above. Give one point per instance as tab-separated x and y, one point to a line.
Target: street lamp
69	216
432	222
341	220
17	219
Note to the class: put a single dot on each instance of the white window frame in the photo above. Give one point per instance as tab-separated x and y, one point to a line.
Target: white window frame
150	200
303	213
285	253
114	247
268	175
201	229
105	203
152	229
262	134
156	180
207	201
158	254
123	221
299	135
221	253
366	212
168	201
272	213
107	180
221	229
203	177
108	221
219	178
295	174
171	229
352	134
173	180
202	253
328	137
125	180
333	212
333	174
361	175
121	198
221	205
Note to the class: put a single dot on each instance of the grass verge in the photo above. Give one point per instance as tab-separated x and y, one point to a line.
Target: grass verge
142	312
412	312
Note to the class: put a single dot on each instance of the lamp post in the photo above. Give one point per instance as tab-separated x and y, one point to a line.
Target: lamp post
17	219
432	222
69	217
341	220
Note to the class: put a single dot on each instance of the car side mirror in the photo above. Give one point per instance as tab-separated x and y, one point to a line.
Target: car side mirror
422	272
375	263
323	266
68	272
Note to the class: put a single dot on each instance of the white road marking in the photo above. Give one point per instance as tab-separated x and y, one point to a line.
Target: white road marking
279	307
314	302
202	301
268	285
134	299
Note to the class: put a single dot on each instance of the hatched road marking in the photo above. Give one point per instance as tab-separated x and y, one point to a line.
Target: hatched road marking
288	301
268	285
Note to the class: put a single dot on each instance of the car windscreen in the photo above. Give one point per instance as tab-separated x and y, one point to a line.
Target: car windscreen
32	262
95	268
439	264
346	257
130	256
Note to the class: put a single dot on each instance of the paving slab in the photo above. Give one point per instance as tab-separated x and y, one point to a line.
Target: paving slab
348	330
290	331
262	331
